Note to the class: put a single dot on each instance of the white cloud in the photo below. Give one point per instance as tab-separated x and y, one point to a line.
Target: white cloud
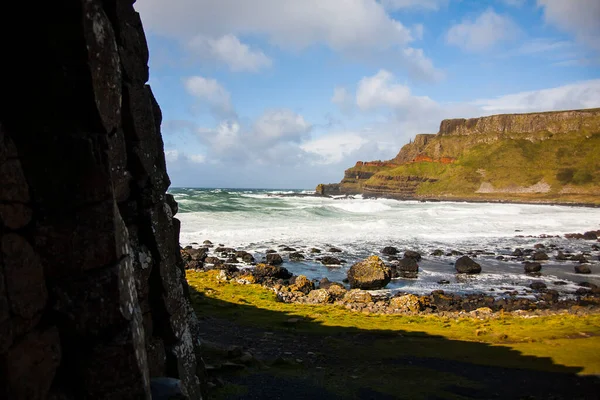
580	17
424	4
543	45
417	31
381	91
334	147
281	124
209	91
229	50
357	28
574	96
488	29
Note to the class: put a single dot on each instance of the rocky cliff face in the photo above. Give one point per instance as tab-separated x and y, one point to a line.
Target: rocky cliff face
93	298
492	157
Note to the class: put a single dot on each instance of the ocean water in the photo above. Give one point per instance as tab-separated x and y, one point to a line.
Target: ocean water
258	220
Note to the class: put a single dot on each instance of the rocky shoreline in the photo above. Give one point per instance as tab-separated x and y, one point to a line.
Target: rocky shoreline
361	290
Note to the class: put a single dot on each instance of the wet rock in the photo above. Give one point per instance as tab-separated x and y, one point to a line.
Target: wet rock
582	269
271	271
549	296
225	251
270	251
371	273
213	260
389	250
248	258
531	267
287	248
407	268
296	256
412	254
274	259
539	246
466	265
314	250
334	250
581	258
328	260
560	256
437	253
540	256
592	235
559	283
443	282
207	242
538	285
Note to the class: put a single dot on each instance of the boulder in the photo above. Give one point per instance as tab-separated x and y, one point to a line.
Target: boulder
271	271
371	273
334	250
581	258
287	248
318	296
592	235
406	303
248	258
531	267
539	246
213	260
315	250
412	254
408	268
560	256
326	284
437	253
274	259
389	251
540	256
538	285
328	260
517	253
466	265
357	296
336	291
302	284
296	256
582	269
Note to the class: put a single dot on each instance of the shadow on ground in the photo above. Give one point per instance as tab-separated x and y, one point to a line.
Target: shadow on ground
304	359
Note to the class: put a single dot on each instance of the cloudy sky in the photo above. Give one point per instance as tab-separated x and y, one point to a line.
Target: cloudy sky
289	93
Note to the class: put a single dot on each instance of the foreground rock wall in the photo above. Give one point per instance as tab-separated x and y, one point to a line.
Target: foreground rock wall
93	299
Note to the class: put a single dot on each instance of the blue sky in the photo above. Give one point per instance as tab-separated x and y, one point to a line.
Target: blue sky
289	93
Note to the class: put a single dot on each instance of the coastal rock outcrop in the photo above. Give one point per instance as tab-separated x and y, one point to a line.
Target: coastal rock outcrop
371	273
466	265
93	297
499	157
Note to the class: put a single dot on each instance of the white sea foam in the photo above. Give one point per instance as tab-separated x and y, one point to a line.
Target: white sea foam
258	220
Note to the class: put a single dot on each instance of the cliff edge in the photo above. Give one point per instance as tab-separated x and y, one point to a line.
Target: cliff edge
534	157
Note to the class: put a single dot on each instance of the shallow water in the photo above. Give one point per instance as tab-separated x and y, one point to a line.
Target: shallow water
257	220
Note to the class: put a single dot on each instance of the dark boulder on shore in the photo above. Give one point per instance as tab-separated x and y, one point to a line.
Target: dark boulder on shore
531	267
412	254
296	256
560	256
328	260
581	258
582	269
271	271
274	259
517	253
389	251
538	285
437	253
371	273
540	256
465	265
408	268
326	284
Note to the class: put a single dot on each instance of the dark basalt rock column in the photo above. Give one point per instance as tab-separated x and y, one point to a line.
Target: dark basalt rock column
93	297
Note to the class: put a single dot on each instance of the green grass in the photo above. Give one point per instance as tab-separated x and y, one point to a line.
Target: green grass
567	340
559	160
